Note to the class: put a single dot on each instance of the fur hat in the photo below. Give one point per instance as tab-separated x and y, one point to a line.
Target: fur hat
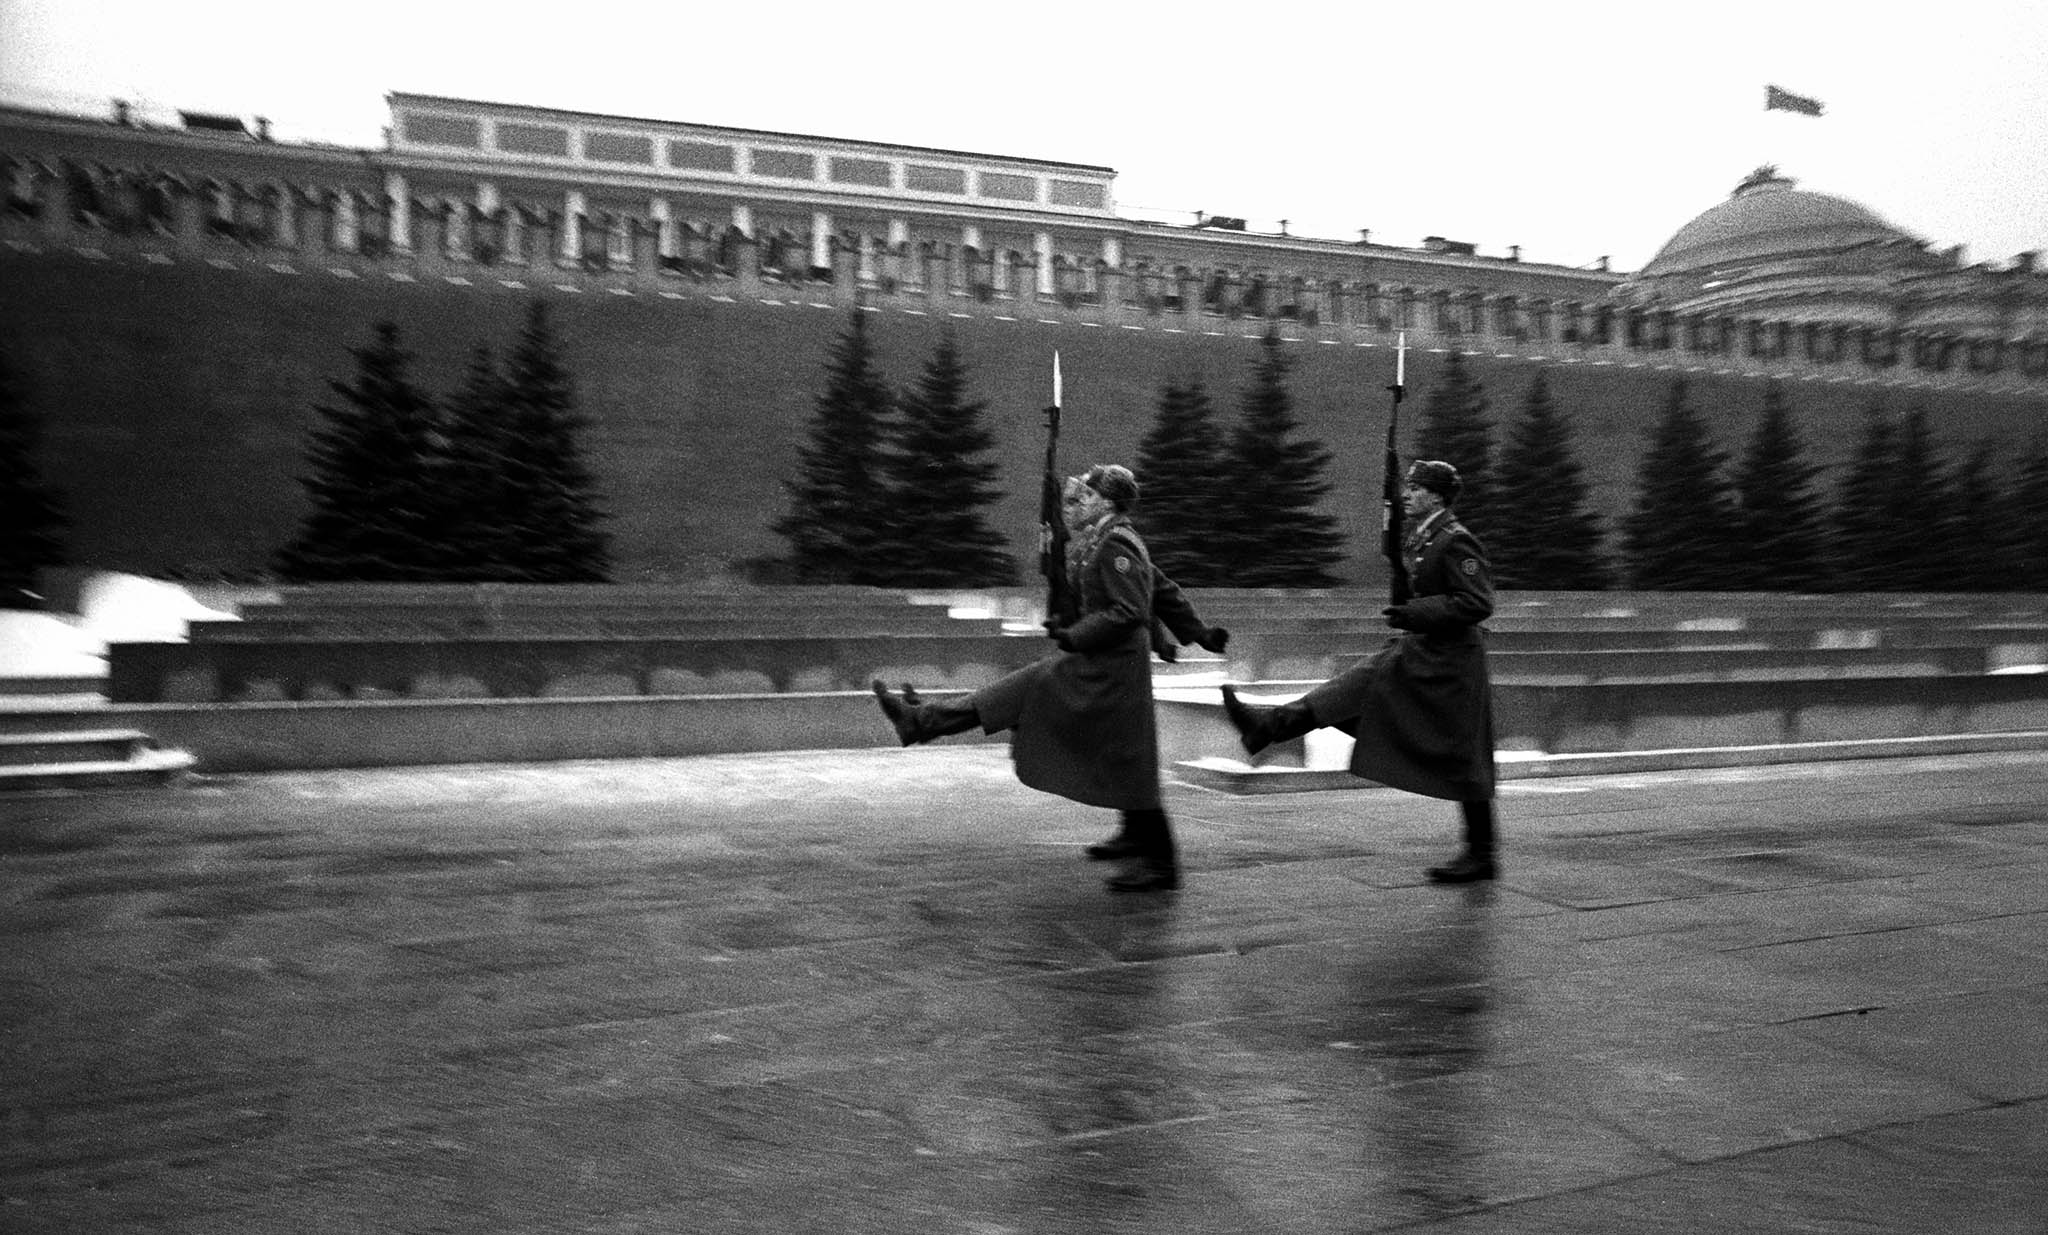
1439	478
1115	482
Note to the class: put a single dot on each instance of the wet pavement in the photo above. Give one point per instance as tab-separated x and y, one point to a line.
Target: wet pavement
883	992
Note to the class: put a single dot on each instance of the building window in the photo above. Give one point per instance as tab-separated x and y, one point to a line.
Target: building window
784	164
618	148
1009	188
871	172
700	156
533	139
429	130
921	178
1079	193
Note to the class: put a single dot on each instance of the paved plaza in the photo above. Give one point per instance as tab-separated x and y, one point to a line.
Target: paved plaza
883	992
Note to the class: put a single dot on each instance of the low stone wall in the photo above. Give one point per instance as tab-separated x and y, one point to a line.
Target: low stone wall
1567	719
1305	659
266	737
1537	725
1580	718
315	670
1575	674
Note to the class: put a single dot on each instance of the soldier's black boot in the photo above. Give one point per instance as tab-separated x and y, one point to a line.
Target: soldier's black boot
1120	845
1157	868
917	721
1477	862
1259	727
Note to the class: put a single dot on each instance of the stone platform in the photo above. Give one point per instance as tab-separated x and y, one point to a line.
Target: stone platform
881	992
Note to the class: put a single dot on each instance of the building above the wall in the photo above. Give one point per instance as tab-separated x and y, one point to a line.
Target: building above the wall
684	157
1777	278
1797	256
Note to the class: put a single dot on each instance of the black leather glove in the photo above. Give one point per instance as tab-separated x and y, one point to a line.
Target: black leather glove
1213	639
1060	635
1399	618
1163	645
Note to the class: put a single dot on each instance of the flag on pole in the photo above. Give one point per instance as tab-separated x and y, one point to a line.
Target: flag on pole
1784	100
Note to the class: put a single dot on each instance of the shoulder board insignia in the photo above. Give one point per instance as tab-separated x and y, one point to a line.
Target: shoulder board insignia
1123	564
1470	565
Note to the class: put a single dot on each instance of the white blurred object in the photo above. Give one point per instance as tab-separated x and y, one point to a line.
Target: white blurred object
131	609
48	645
113	608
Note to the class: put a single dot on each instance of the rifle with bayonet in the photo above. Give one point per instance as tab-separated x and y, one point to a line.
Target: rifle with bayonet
1392	499
1061	608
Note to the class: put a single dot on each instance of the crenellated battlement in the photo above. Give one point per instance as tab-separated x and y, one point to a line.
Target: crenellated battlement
461	192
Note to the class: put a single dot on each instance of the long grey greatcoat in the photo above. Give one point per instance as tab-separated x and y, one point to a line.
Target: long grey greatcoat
1083	719
1421	708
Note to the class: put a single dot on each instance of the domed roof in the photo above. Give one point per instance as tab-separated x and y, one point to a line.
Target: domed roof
1766	216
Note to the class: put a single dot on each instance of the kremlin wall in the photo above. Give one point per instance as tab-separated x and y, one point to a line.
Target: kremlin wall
177	298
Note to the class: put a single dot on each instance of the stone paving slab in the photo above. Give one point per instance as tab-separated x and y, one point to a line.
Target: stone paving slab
882	992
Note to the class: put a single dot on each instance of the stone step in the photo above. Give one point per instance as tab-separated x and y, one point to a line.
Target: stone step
577	624
484	667
84	746
1543	720
1676	656
1780	638
51	684
1192	663
462	599
1538	725
1510	624
1744	664
1509	602
1236	776
87	759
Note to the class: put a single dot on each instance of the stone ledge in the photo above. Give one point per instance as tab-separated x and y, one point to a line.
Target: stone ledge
1230	776
150	767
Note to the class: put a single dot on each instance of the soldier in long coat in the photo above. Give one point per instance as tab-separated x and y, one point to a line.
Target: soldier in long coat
1082	719
1421	708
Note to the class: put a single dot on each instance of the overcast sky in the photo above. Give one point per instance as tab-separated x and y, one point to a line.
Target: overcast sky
1575	130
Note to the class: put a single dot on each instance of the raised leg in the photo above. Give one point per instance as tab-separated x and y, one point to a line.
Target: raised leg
1259	727
916	721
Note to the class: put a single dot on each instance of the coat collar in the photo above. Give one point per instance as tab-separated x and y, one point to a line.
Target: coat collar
1437	521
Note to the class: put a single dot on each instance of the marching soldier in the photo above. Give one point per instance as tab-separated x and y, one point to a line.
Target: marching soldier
1082	719
1421	708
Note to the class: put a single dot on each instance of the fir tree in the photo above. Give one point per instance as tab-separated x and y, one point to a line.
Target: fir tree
1272	532
1454	429
1183	473
372	477
555	517
1866	534
478	510
31	512
1543	535
1679	537
939	484
1980	513
1778	516
836	514
1921	508
2028	510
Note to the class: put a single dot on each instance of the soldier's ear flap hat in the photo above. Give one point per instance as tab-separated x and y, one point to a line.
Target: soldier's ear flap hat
1115	482
1439	478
